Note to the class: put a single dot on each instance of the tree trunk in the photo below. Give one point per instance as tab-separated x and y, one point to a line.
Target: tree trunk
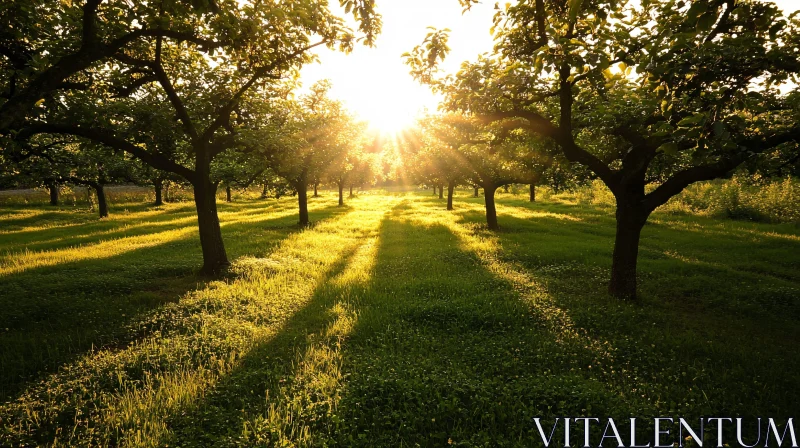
158	185
102	204
434	190
53	188
505	188
626	250
441	191
475	193
533	192
491	210
215	259
341	194
302	199
351	191
450	187
315	190
227	193
265	191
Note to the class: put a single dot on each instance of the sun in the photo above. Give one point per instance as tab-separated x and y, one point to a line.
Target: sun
389	120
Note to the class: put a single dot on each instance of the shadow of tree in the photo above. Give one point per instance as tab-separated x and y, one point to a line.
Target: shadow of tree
54	314
255	386
434	331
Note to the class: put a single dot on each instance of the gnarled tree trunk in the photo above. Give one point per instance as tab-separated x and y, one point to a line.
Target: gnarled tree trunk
215	259
533	193
630	221
52	187
158	186
102	204
450	187
265	191
491	210
302	201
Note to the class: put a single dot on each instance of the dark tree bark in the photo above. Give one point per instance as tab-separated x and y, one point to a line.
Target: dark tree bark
441	191
630	221
52	187
265	191
450	187
158	185
215	259
341	194
491	210
351	191
228	193
102	204
302	200
315	190
475	193
434	190
533	193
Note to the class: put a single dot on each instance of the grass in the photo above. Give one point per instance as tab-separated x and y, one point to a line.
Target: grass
390	322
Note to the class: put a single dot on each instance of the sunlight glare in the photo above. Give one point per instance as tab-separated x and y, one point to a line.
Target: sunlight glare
375	83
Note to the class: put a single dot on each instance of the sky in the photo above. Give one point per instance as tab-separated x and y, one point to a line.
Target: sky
375	83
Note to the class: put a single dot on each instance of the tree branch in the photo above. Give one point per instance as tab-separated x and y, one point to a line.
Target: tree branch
223	115
108	138
682	179
175	100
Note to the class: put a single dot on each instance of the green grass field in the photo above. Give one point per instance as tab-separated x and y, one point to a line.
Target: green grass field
390	322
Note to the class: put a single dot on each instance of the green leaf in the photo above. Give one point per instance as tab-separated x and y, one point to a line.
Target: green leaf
706	21
692	120
670	148
719	128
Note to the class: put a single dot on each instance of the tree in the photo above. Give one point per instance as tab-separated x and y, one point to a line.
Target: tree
485	155
206	91
439	155
58	162
37	165
348	156
47	46
236	169
658	93
300	139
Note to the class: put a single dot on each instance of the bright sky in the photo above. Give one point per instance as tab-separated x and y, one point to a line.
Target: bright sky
374	82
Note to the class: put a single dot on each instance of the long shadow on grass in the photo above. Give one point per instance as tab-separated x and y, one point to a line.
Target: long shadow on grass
45	218
455	343
53	314
719	267
703	358
135	221
445	352
426	349
92	232
259	384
